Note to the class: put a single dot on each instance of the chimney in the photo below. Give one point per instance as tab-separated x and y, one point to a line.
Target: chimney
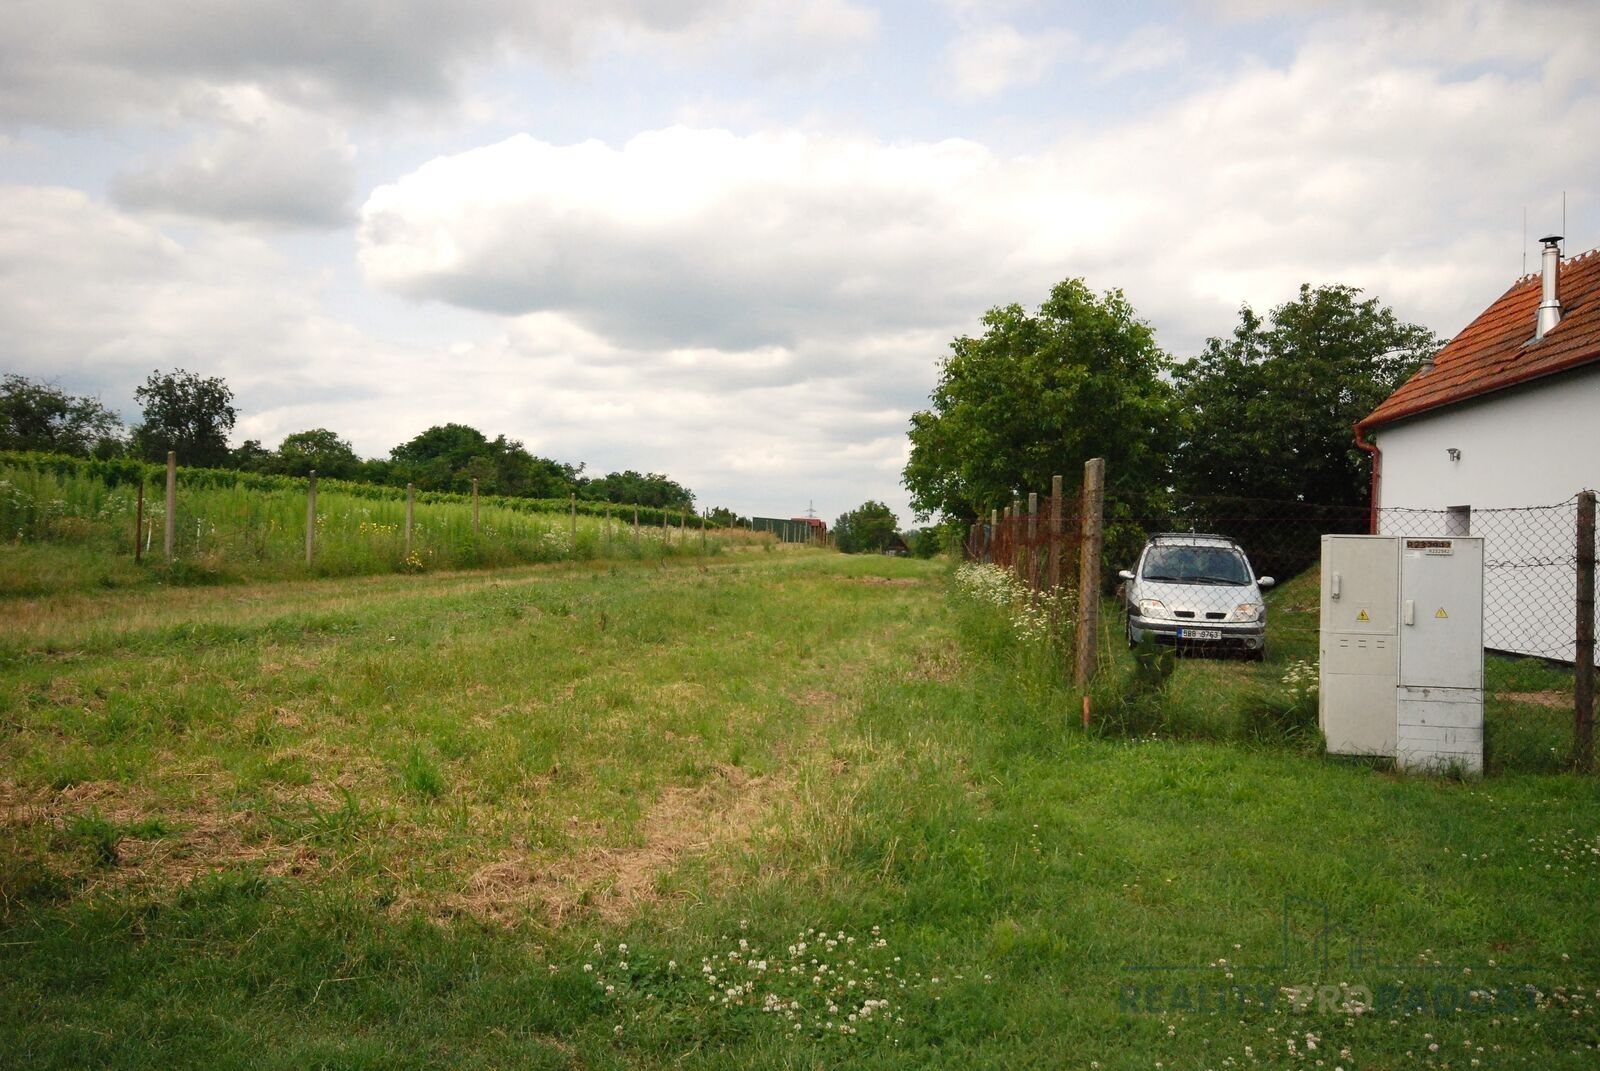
1550	301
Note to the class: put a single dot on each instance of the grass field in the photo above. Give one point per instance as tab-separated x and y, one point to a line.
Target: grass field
676	813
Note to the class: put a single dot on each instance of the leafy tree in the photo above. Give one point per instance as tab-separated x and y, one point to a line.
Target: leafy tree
870	527
727	518
251	456
187	413
644	489
1038	395
1268	411
447	457
43	417
318	449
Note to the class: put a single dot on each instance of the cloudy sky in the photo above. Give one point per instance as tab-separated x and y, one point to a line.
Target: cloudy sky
730	241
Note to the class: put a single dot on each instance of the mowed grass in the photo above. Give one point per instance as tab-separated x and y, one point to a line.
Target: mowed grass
523	818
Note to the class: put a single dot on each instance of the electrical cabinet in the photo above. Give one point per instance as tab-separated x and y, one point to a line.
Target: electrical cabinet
1402	649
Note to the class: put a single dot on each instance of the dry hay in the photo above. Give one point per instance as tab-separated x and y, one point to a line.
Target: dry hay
614	882
1554	700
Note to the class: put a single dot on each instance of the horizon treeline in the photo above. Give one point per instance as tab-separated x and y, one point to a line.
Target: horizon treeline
193	416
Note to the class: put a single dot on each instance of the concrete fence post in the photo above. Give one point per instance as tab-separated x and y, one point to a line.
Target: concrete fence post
1094	498
1583	656
138	524
1033	547
311	517
171	534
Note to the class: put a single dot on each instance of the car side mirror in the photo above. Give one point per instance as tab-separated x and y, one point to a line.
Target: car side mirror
1265	582
1126	574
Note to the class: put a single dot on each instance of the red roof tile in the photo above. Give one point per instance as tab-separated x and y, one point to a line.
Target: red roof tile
1497	350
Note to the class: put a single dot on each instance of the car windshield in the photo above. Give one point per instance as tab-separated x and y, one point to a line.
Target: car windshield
1196	565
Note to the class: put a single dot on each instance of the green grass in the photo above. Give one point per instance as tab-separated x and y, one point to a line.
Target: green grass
387	821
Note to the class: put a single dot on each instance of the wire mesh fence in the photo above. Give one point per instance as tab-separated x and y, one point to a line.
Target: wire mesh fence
1529	570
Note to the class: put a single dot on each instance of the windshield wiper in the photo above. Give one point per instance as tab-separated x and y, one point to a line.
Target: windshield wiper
1230	581
1163	576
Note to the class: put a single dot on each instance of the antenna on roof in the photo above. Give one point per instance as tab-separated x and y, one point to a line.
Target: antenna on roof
1563	221
1525	239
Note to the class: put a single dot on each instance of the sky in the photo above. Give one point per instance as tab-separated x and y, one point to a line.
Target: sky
732	241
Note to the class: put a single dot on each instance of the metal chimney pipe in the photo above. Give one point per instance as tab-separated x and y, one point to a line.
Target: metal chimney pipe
1550	299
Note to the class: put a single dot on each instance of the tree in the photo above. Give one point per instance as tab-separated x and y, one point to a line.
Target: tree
1039	395
318	449
187	413
41	416
1268	412
868	528
652	489
448	457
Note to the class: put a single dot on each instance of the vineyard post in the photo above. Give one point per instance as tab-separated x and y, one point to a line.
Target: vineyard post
608	528
572	523
311	516
683	526
1583	660
474	507
636	526
702	532
138	524
1094	497
172	504
411	506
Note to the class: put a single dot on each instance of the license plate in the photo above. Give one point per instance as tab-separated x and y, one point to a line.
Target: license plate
1199	634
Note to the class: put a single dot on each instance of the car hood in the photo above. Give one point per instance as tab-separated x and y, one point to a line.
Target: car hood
1197	597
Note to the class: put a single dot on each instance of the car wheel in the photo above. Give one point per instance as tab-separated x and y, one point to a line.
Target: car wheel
1259	654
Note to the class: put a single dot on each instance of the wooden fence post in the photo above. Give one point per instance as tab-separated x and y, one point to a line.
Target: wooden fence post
138	524
994	532
1033	547
474	507
1094	497
172	504
608	528
1583	656
1053	563
702	532
572	523
311	516
636	526
411	507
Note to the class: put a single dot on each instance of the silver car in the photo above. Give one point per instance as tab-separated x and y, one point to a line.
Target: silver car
1197	591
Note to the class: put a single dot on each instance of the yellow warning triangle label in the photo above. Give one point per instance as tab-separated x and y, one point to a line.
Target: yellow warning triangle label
1440	613
1362	616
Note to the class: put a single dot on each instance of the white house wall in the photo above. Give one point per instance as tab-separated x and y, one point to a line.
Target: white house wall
1536	445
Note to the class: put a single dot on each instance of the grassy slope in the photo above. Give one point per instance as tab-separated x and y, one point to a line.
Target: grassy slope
429	797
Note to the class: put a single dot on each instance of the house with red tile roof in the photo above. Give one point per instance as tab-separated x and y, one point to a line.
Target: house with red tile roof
1506	415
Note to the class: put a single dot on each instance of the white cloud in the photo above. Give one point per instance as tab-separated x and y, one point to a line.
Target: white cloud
270	164
1353	163
700	237
94	61
992	59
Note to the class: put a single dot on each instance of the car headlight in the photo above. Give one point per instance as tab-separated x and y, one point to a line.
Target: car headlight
1249	611
1152	608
